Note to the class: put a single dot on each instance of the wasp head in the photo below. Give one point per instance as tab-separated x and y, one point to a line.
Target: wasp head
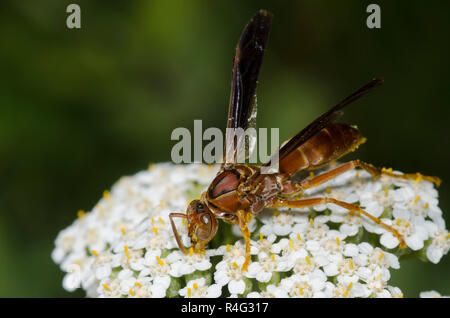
202	225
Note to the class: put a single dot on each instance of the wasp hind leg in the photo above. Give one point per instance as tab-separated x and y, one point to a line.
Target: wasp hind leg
374	171
306	203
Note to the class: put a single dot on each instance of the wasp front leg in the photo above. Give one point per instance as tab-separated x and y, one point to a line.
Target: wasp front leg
243	217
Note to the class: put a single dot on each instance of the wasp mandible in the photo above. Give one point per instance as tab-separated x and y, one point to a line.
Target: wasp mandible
240	191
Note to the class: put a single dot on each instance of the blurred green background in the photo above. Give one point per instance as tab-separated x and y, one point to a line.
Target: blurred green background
80	108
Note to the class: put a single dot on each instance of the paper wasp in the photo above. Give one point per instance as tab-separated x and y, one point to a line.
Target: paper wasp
240	191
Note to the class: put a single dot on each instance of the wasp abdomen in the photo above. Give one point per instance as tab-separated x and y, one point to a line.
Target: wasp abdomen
329	144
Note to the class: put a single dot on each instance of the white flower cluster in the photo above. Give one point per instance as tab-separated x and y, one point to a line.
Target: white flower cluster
125	247
431	294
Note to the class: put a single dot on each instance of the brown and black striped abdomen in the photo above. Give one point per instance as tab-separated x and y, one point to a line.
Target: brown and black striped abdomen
328	144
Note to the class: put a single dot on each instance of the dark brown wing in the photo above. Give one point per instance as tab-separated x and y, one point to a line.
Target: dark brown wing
246	66
321	122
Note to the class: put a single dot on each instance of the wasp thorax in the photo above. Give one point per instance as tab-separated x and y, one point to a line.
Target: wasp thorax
202	224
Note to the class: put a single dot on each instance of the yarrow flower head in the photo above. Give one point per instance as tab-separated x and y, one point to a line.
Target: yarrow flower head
124	246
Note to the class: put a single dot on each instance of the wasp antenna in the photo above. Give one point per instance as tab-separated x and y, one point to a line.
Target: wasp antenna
177	236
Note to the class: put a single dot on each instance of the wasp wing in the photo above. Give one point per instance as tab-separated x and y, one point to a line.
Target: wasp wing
320	123
243	107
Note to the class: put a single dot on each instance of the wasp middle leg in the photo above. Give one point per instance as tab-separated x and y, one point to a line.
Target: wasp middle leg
306	203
